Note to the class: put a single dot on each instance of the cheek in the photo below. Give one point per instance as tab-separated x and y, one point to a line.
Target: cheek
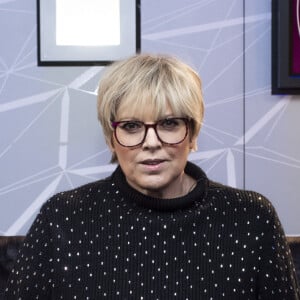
111	143
126	160
125	156
180	152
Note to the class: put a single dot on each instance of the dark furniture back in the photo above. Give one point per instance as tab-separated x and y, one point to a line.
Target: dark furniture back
9	246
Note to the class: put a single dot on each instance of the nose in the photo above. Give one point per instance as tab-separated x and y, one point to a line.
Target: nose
151	139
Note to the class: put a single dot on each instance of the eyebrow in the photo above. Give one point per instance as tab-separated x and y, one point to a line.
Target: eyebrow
124	119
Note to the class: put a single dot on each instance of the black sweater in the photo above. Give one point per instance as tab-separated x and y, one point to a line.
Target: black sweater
105	240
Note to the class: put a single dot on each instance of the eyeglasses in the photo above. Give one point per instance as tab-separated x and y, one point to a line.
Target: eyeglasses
169	131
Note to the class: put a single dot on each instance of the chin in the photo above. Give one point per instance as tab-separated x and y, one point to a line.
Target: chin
155	183
156	189
153	187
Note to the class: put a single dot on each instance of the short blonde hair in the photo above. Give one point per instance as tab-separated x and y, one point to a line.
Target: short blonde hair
150	82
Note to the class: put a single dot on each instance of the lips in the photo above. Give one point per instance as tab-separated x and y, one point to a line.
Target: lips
152	162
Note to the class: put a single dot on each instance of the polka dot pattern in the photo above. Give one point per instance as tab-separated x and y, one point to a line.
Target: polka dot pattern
107	241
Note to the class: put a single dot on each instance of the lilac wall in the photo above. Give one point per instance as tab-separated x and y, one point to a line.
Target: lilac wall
50	138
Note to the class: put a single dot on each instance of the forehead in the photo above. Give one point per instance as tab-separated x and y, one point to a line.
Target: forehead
143	110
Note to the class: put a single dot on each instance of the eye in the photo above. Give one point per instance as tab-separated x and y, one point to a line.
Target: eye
170	123
131	126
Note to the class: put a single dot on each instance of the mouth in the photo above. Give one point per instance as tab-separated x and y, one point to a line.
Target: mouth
152	162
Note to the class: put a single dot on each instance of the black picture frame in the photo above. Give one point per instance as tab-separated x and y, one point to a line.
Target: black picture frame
86	56
283	82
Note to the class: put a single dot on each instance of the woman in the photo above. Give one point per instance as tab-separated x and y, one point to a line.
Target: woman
157	228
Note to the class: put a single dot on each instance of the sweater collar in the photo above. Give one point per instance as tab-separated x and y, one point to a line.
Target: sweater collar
184	202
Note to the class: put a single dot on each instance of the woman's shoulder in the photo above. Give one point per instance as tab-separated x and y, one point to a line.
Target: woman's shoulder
79	196
241	198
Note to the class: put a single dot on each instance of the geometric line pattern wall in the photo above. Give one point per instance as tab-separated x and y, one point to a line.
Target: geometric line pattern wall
51	140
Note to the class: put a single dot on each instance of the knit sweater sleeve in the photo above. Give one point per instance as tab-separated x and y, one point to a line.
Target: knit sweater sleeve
31	276
277	275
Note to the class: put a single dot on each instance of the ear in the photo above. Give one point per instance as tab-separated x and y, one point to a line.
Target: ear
193	144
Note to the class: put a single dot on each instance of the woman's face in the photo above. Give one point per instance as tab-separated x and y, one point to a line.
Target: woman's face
153	168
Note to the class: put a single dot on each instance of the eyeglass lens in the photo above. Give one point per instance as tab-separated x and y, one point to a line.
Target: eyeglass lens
169	131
